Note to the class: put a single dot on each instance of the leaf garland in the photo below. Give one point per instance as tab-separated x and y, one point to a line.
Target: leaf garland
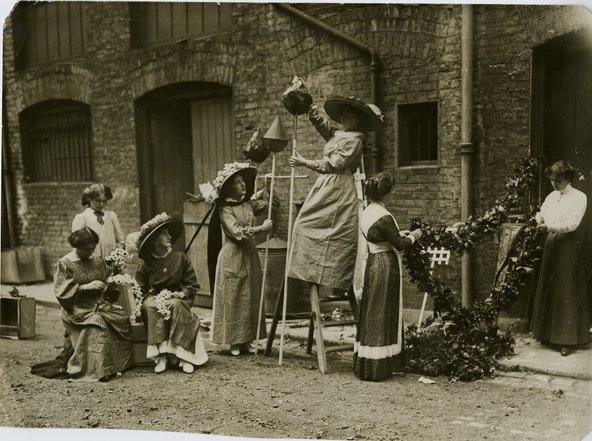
465	343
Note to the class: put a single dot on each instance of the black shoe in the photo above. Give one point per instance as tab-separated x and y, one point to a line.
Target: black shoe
565	351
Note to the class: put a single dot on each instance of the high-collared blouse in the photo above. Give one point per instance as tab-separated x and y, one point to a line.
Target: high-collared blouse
563	210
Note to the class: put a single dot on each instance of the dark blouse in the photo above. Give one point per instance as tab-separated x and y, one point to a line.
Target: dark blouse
173	272
385	230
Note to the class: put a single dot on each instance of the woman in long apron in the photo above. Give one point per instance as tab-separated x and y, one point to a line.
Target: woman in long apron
379	346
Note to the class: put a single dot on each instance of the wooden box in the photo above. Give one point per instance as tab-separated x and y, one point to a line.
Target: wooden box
22	265
139	344
17	317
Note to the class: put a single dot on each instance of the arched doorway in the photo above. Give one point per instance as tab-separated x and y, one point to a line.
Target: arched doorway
185	134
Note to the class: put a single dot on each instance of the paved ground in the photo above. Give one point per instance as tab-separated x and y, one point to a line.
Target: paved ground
530	356
253	397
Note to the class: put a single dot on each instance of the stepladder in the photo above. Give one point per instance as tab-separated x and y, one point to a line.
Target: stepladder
440	256
316	323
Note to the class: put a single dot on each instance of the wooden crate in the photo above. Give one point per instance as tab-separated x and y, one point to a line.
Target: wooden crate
22	265
17	317
139	338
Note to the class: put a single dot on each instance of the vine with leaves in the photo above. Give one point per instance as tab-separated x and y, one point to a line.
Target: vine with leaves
465	343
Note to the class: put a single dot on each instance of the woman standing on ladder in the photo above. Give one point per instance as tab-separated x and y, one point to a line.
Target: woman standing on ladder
325	233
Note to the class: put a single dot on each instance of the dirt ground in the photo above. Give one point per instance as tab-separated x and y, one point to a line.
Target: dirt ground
252	396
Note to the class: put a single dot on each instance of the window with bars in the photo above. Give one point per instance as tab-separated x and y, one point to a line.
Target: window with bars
418	133
56	138
48	31
154	22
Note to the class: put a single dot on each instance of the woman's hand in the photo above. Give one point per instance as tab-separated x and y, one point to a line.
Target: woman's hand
296	160
267	225
416	233
94	285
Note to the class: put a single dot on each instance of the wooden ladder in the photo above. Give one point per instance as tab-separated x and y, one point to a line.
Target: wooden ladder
316	323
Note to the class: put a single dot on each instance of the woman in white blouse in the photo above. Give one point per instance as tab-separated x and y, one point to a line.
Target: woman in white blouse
103	222
560	311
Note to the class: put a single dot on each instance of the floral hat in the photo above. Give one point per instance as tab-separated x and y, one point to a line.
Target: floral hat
374	117
151	228
248	172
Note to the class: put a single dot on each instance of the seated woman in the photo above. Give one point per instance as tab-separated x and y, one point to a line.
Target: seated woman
99	331
173	330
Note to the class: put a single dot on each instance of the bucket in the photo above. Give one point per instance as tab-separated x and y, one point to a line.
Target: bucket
276	266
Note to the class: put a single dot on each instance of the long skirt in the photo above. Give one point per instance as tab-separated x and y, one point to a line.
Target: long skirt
378	351
325	235
237	294
560	310
101	342
178	336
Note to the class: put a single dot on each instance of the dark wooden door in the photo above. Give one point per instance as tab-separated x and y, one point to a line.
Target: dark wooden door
171	158
562	89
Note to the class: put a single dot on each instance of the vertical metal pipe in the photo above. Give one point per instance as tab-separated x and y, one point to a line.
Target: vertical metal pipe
375	86
467	148
7	185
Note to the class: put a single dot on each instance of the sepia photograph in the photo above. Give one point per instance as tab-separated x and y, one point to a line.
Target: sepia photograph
290	221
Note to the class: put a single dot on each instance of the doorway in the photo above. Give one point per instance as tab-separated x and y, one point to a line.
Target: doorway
562	117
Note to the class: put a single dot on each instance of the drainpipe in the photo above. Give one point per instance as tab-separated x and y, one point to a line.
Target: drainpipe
374	67
7	181
467	148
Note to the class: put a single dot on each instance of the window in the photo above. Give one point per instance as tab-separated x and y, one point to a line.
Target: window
48	31
153	22
418	134
56	139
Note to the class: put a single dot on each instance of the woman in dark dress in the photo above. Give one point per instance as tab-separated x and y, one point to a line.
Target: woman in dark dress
168	283
378	350
560	311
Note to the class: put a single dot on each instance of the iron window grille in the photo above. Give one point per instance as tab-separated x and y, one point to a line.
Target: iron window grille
56	139
418	133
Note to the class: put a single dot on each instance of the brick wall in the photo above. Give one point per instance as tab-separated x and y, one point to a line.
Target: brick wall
419	50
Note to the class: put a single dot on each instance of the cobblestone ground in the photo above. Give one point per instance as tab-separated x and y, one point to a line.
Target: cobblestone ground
252	396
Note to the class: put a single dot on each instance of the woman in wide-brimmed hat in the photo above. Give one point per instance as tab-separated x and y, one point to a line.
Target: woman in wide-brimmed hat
168	283
237	289
325	234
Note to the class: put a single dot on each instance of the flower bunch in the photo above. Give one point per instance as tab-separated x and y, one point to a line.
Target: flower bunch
208	192
465	343
161	298
116	259
129	281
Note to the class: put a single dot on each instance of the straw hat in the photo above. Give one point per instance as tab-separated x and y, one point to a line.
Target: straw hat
373	116
151	228
248	172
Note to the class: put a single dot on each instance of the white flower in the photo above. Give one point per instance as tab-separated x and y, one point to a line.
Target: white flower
208	192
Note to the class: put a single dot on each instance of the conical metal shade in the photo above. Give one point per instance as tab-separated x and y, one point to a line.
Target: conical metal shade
276	139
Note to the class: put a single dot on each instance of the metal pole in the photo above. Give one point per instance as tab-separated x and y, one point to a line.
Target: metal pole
467	149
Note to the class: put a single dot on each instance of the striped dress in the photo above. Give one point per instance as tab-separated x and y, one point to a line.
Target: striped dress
378	350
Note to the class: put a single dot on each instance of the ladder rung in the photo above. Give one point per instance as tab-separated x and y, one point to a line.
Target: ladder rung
330	323
333	299
338	348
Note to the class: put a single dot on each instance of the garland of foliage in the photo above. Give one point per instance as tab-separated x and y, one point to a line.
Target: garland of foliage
466	342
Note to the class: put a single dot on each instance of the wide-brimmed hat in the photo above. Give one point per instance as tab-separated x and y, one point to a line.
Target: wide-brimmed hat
153	226
248	172
373	116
